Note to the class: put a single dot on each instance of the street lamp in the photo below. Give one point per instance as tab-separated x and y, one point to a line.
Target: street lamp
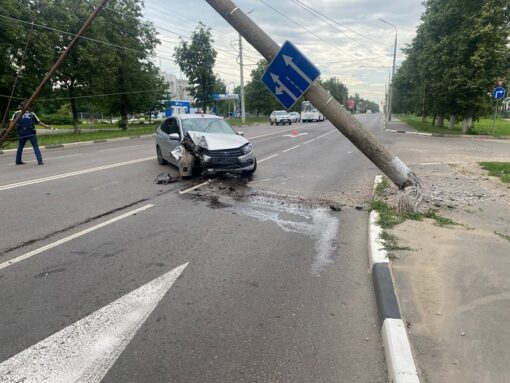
390	93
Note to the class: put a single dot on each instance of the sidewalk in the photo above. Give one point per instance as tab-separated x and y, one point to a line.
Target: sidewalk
454	285
396	125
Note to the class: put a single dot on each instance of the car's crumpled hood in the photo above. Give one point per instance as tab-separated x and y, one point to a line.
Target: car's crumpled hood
217	141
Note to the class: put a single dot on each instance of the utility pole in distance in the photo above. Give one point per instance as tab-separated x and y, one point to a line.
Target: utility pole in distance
243	112
389	164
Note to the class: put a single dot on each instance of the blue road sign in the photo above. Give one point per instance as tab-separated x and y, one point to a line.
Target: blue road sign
498	93
289	75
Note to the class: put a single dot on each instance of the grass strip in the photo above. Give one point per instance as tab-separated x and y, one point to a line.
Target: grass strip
498	169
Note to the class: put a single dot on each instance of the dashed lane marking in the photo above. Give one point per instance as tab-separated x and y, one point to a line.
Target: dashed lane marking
267	158
54	158
71	237
288	150
122	147
195	187
71	174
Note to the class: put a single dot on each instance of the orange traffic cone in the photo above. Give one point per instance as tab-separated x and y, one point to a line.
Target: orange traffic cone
294	132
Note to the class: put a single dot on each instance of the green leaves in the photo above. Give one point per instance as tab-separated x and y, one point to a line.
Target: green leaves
196	59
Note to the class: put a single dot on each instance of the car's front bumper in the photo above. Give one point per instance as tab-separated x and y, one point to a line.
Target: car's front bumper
239	164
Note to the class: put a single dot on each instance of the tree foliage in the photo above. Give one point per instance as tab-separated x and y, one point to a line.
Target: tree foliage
114	60
258	98
460	51
196	59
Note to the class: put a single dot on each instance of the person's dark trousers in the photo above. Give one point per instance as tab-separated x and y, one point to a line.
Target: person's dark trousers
21	145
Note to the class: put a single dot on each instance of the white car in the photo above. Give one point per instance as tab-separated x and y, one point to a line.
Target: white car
280	117
295	116
203	142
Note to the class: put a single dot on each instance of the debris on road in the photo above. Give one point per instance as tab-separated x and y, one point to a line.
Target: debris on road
165	178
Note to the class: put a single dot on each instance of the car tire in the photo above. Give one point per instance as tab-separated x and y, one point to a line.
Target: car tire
271	123
161	160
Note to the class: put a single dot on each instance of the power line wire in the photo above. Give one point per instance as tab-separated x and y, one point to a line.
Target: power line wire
307	30
338	23
98	41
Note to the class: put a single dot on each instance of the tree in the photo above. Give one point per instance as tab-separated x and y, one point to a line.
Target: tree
196	59
258	98
460	50
337	89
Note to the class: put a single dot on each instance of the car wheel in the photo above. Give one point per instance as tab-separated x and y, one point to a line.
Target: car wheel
161	160
271	123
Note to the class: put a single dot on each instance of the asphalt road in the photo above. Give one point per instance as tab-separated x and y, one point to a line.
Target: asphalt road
275	289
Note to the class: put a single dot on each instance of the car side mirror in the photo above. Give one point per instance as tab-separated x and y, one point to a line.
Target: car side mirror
240	133
174	136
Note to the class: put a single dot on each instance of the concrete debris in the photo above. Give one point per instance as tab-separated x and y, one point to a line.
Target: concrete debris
165	178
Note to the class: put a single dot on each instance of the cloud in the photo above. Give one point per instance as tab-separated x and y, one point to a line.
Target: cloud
360	59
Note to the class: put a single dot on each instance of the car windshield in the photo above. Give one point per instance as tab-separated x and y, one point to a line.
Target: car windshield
207	125
281	113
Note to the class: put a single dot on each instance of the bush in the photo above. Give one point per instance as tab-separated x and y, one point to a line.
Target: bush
56	119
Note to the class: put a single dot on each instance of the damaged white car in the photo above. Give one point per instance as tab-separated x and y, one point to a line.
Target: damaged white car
203	143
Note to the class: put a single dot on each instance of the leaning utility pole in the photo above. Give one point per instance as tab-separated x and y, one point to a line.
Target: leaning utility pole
52	71
390	165
243	112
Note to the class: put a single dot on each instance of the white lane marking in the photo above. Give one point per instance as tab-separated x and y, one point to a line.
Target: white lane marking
195	187
307	142
267	158
71	237
295	135
65	175
325	134
87	349
288	150
54	158
269	134
122	147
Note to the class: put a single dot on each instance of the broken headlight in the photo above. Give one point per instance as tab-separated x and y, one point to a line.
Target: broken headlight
247	149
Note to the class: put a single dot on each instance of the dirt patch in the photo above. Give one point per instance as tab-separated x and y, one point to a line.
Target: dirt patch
453	286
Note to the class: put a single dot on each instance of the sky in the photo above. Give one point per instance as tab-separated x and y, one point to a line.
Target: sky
353	45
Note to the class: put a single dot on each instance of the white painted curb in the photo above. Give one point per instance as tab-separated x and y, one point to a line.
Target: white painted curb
397	348
399	358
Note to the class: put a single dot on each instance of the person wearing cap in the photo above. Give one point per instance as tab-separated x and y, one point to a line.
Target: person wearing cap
26	131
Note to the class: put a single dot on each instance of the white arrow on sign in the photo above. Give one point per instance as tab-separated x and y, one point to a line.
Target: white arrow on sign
281	88
87	349
290	62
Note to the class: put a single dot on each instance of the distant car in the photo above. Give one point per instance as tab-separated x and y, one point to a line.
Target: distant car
295	116
203	142
280	117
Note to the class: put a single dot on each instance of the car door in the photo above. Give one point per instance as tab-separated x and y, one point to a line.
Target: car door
162	138
173	140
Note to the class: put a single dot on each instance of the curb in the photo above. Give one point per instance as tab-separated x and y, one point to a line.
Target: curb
397	349
56	146
473	137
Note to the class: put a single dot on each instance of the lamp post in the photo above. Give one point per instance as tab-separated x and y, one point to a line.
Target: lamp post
390	93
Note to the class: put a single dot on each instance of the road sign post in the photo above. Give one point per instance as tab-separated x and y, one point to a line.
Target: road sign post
498	93
350	127
289	75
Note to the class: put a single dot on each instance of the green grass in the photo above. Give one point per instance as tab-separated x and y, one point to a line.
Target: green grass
504	236
388	216
391	245
483	126
65	138
498	169
103	131
382	186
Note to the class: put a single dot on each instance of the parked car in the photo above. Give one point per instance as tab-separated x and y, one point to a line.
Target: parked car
203	142
280	117
295	116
